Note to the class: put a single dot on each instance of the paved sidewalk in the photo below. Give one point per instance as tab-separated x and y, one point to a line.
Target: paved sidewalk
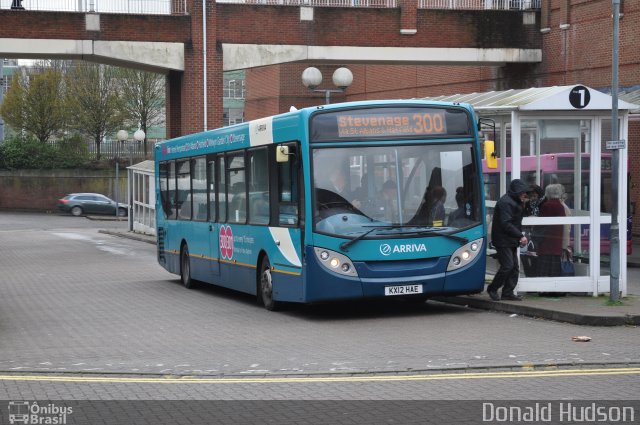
577	309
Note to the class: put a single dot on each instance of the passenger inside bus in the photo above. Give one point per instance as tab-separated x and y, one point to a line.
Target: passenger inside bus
458	218
387	202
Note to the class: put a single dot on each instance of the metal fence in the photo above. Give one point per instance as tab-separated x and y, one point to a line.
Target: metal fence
110	149
319	3
480	4
134	151
179	7
422	4
143	7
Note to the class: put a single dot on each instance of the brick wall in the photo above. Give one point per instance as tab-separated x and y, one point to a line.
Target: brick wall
39	190
71	26
582	52
235	23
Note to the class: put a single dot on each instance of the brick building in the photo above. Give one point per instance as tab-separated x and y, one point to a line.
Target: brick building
576	44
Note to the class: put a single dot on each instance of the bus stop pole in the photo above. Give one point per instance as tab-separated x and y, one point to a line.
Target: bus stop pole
614	234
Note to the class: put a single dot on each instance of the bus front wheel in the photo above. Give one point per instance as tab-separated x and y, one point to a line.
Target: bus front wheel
265	287
185	267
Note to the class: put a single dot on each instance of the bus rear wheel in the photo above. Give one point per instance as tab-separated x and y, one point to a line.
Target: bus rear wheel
185	267
265	287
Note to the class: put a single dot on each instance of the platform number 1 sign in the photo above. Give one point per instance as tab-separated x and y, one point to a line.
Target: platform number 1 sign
579	97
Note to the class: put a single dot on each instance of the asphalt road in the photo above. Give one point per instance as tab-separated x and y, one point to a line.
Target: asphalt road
101	316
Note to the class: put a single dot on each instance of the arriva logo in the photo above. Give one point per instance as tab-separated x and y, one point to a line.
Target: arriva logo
386	249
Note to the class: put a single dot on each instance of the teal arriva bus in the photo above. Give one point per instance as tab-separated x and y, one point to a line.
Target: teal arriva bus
344	201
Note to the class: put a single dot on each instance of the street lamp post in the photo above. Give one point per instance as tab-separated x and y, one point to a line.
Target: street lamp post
139	137
342	78
122	136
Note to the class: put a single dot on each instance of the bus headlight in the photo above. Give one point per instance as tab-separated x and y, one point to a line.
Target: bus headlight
335	262
464	255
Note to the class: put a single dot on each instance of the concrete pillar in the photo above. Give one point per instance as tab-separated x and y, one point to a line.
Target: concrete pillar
408	16
185	91
173	104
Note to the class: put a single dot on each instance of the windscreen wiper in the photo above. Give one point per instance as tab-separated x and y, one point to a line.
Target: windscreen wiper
426	233
431	233
347	244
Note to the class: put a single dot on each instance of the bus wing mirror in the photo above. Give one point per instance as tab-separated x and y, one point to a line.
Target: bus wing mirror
282	154
490	154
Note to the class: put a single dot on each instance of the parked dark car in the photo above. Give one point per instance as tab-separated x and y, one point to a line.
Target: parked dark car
90	203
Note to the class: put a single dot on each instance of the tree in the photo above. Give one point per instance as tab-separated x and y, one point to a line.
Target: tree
93	97
143	94
36	104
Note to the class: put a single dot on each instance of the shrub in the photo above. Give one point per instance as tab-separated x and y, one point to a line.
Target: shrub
28	153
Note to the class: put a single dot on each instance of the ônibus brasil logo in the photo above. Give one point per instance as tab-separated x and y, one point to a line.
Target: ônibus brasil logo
226	242
386	249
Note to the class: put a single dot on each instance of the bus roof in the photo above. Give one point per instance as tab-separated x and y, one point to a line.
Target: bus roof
261	131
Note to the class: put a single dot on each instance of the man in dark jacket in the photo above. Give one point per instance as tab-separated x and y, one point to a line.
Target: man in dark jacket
506	235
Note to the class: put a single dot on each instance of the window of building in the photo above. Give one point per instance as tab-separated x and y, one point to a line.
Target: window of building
233	89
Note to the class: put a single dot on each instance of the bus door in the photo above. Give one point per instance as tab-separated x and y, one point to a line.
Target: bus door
288	196
214	201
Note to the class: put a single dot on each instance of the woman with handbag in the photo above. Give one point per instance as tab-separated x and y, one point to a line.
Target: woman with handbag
551	241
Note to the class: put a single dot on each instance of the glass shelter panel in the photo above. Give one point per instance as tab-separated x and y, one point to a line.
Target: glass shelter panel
545	256
606	201
491	177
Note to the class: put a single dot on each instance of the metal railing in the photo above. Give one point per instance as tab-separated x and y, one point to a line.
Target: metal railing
134	151
110	149
422	4
374	4
179	7
138	7
480	4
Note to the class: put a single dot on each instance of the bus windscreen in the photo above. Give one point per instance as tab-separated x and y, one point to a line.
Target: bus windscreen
384	123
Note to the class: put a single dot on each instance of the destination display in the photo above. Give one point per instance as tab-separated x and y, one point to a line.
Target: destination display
390	123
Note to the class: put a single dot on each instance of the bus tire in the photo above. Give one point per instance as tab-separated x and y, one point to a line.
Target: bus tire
185	267
265	286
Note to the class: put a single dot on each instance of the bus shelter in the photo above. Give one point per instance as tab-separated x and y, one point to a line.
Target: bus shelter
142	198
556	138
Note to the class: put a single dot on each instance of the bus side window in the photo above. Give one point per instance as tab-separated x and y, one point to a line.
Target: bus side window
199	188
183	192
211	181
222	191
171	189
164	189
237	205
258	186
288	193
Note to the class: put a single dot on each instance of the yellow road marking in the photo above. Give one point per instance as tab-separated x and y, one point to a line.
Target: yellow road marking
320	379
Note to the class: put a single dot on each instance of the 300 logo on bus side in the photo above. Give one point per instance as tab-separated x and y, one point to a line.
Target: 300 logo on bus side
226	242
